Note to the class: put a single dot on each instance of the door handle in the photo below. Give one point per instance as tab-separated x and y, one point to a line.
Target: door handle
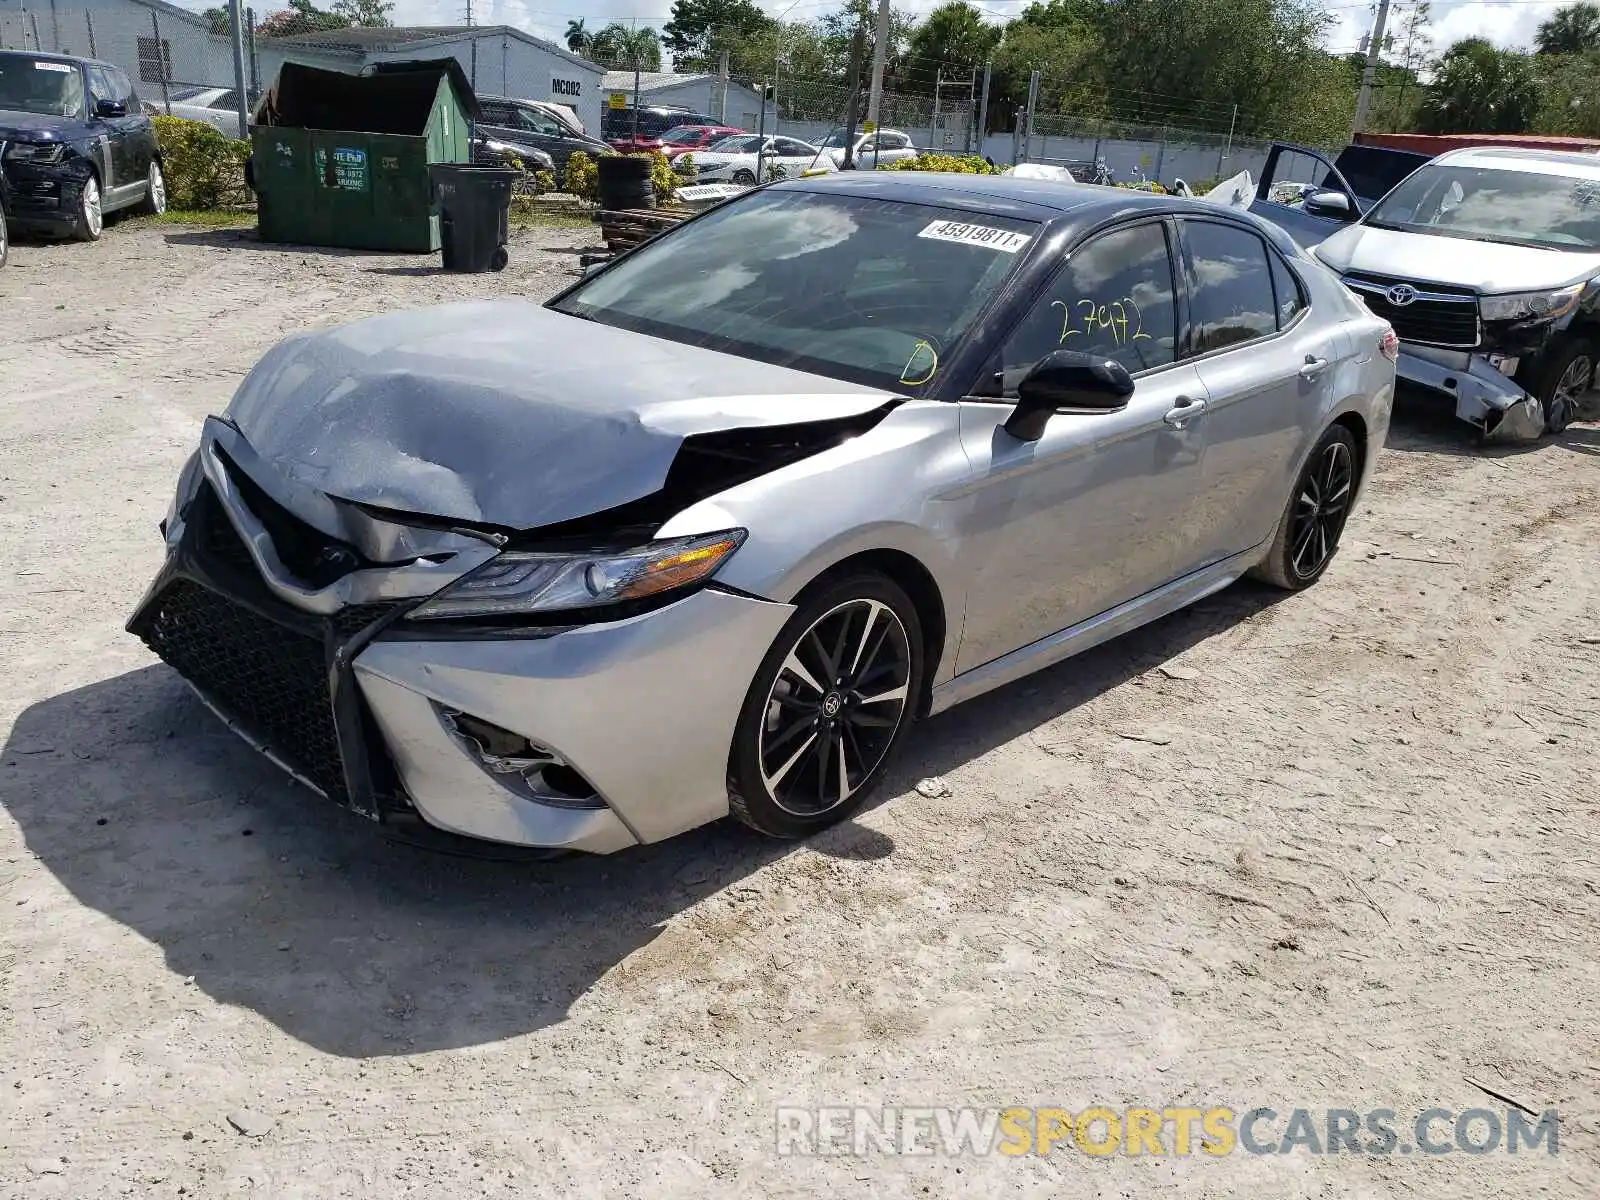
1183	408
1314	366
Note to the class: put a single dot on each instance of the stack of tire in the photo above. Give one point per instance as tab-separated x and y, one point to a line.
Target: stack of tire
623	182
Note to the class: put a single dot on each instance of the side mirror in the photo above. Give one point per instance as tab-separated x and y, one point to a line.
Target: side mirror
1328	204
110	108
1067	381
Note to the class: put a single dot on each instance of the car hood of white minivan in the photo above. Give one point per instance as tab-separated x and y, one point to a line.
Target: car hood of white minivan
1487	267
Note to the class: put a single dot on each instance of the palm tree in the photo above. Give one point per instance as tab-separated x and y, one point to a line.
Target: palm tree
1571	30
634	49
579	39
1479	88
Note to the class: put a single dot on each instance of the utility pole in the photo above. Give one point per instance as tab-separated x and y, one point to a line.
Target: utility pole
1019	153
880	52
1369	73
983	107
236	19
938	86
722	88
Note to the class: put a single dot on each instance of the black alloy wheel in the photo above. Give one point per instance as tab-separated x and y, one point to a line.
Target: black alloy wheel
828	706
1308	534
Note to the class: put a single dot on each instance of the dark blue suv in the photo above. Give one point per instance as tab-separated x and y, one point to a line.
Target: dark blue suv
75	144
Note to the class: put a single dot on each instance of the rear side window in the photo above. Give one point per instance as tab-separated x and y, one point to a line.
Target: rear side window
1290	293
1231	298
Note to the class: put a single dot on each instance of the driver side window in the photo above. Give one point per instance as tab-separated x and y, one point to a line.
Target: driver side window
1113	297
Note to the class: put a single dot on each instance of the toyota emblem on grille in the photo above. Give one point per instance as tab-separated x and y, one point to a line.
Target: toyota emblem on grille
1401	294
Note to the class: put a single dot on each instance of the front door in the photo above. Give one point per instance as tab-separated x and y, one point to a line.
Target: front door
1092	514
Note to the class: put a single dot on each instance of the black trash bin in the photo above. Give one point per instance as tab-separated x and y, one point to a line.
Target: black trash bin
474	215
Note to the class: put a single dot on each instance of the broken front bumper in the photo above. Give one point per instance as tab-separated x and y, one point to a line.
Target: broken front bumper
1485	397
359	703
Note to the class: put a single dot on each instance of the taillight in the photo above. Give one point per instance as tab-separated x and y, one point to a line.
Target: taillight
1389	346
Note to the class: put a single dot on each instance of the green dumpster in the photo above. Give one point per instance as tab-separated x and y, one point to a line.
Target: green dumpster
342	160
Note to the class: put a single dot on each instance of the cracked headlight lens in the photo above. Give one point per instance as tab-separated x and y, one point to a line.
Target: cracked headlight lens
516	581
1522	306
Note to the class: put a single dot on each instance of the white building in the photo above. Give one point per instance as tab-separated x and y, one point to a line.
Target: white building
153	41
703	93
499	60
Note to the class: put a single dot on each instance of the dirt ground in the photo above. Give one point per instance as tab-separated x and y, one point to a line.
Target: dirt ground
1336	850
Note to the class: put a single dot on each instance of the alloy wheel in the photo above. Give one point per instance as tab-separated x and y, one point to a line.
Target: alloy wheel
1574	381
93	218
1320	509
834	708
157	190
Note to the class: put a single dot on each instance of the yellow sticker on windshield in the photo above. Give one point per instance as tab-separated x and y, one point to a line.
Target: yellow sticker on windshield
976	235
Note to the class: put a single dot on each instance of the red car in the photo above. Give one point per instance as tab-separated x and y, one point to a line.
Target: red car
686	139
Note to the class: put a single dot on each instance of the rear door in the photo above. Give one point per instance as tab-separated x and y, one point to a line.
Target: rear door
1265	360
1083	519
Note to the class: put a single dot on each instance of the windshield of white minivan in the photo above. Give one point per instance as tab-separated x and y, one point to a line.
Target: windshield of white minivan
870	291
40	86
1519	208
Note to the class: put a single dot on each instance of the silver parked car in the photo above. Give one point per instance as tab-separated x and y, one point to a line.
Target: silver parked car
707	531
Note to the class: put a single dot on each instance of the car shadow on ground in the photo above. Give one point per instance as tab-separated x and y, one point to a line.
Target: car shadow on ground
269	898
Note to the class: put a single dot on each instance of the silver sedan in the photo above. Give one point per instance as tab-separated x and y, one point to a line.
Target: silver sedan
709	530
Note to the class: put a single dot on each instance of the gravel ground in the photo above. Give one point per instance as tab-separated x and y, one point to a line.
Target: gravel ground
1335	850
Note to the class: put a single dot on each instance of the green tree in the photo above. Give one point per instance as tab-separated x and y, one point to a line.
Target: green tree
954	39
1478	88
1571	30
622	47
371	13
218	22
579	40
700	30
1569	94
301	17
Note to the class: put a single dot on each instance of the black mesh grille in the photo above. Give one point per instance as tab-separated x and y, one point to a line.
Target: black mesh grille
219	542
1452	322
269	678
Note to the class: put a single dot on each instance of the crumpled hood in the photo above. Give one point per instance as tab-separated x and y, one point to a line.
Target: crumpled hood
1488	267
506	413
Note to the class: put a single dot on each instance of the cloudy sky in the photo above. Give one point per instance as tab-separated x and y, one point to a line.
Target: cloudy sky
1506	22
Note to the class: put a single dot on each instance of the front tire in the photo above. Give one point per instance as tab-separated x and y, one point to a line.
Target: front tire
828	707
1308	533
1559	378
91	222
744	178
5	239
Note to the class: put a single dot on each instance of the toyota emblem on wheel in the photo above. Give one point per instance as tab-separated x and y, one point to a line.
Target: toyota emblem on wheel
1401	294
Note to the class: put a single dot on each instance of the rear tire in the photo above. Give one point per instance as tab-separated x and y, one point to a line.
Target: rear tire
828	707
155	194
1308	532
5	239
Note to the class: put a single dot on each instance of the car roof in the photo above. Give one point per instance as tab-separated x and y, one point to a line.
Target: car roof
1573	165
1032	199
47	56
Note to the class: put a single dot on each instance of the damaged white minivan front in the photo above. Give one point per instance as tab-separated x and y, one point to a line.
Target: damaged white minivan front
1487	264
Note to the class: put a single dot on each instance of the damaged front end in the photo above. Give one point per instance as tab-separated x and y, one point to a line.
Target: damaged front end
451	677
1485	393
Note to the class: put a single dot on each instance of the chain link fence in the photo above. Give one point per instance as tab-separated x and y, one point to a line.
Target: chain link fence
171	56
1130	151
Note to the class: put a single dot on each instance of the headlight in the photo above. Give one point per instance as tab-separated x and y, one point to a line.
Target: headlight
517	582
36	152
1523	306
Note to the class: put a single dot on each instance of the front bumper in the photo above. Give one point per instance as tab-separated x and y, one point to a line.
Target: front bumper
1484	396
352	702
43	197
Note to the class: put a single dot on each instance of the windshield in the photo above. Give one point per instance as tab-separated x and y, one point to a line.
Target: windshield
37	85
835	140
743	144
1520	208
684	133
865	290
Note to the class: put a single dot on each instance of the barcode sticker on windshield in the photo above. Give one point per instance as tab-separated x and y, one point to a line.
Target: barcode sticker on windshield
976	235
64	68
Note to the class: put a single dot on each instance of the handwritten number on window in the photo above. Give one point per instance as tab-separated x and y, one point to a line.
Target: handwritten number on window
1115	317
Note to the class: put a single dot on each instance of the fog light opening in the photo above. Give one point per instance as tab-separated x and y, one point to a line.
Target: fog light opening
519	763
